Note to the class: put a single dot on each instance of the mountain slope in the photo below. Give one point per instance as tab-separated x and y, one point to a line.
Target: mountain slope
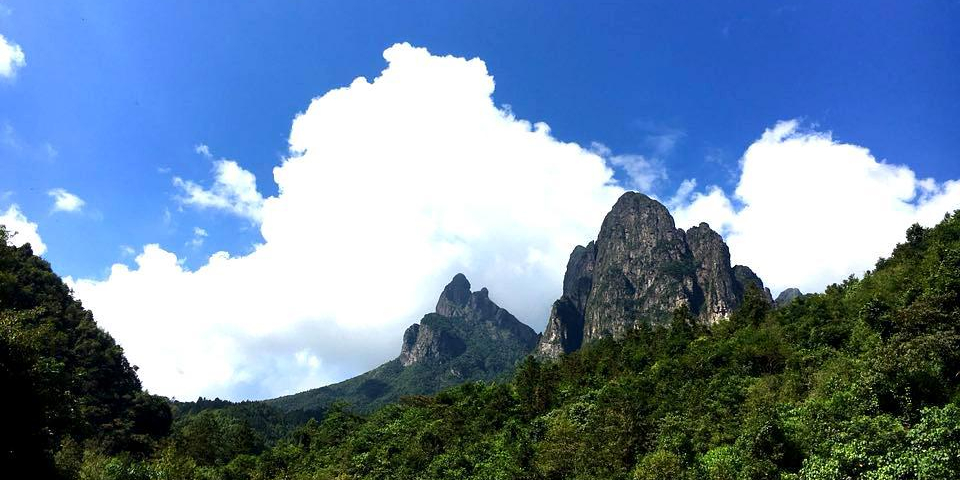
468	338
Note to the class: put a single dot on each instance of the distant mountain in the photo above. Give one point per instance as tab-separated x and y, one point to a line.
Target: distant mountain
639	270
467	338
788	296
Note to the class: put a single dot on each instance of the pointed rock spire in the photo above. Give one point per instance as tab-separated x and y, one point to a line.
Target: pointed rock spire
455	296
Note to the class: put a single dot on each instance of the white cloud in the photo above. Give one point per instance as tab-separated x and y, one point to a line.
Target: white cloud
813	210
391	187
203	150
21	230
64	201
641	172
234	189
11	58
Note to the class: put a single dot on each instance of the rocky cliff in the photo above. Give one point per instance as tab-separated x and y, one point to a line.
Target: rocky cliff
640	269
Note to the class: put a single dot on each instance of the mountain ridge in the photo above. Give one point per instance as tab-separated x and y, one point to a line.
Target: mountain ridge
467	338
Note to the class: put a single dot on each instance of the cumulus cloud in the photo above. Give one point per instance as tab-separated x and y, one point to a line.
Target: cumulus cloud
234	189
21	230
809	210
11	58
390	188
64	201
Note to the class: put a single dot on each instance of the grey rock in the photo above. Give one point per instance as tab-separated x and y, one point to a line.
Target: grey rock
745	276
425	343
454	297
716	290
436	341
639	270
564	330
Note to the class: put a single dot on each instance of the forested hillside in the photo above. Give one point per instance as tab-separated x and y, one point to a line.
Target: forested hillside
860	381
68	392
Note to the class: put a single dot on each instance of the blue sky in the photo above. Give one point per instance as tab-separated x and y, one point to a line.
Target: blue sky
114	97
120	91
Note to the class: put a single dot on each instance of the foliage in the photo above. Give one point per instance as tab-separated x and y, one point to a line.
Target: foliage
67	386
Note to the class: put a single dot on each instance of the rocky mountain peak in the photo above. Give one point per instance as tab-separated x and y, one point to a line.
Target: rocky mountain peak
440	336
640	269
454	297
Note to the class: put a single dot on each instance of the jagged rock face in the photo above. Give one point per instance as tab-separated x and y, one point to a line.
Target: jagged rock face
433	339
745	276
716	292
422	342
564	331
454	297
640	269
578	279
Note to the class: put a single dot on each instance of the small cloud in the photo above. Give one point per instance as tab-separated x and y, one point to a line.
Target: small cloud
12	58
642	172
198	235
50	151
683	193
234	189
127	251
204	150
21	231
8	137
65	201
662	143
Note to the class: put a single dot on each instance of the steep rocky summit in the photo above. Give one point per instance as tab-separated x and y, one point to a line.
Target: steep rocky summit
468	337
640	269
433	341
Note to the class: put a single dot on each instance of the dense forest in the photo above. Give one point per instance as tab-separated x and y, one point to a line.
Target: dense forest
69	393
860	381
